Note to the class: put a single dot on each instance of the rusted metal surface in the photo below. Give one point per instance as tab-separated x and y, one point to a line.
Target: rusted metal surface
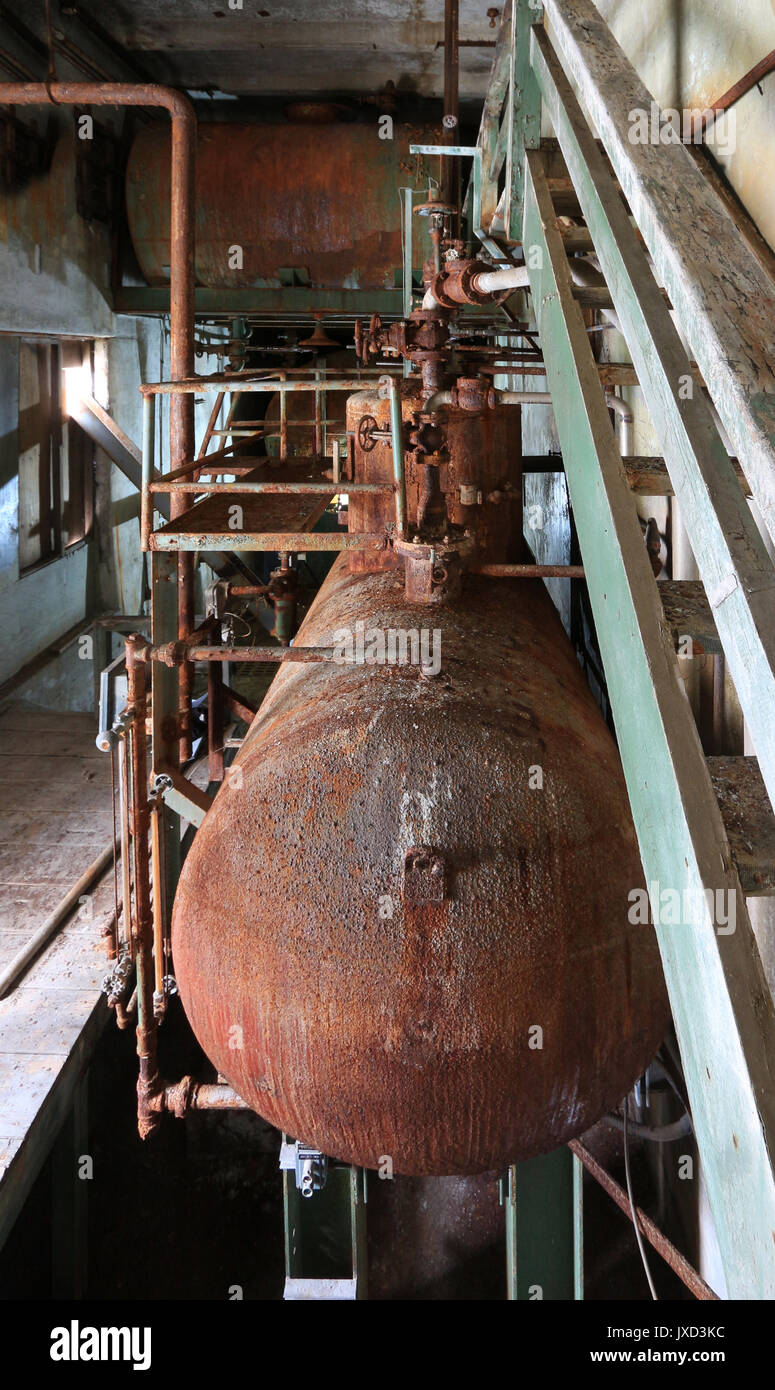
472	453
270	654
192	538
530	571
664	1247
142	914
285	218
370	1025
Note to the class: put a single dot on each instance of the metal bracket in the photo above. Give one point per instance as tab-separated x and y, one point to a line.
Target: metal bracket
309	1165
425	879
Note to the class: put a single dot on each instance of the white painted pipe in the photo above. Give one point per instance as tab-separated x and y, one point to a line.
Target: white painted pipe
626	419
511	277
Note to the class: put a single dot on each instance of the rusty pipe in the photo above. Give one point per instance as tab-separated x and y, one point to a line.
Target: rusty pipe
182	233
136	646
739	89
450	119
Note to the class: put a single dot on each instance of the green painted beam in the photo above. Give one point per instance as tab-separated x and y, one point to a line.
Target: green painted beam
544	1259
292	299
731	556
524	130
722	1008
723	298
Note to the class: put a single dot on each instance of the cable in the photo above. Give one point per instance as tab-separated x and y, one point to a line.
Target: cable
638	1236
658	1134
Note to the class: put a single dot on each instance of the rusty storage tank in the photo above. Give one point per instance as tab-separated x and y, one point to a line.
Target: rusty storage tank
402	930
314	199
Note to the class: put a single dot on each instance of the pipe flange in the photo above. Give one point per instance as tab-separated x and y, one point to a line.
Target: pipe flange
454	284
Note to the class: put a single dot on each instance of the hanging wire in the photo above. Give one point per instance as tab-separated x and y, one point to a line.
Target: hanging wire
638	1235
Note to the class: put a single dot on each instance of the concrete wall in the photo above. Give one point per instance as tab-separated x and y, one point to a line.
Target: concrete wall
688	53
54	278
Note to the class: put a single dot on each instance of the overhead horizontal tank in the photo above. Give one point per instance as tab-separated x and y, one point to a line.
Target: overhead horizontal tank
304	202
402	931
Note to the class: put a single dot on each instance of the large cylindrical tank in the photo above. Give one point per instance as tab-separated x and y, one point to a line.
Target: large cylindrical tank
318	200
402	930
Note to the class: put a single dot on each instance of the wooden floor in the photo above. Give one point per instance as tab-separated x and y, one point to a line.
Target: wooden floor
55	818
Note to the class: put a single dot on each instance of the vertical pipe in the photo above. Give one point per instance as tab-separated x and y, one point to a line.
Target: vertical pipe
158	906
182	440
451	179
318	419
397	434
124	798
215	714
140	825
408	257
283	419
149	441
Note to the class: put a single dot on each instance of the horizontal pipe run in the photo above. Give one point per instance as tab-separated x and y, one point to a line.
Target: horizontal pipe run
529	571
321	489
266	654
294	541
249	427
512	277
672	1257
501	398
192	385
215	1096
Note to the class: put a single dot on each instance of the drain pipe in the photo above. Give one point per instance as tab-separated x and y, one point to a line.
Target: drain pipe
625	417
183	161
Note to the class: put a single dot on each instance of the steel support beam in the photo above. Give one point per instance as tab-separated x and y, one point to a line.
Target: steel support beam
544	1254
723	1010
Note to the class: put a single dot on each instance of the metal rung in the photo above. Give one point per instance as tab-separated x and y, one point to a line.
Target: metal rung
749	821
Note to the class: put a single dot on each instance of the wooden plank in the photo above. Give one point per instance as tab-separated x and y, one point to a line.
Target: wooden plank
723	298
749	820
490	139
731	555
723	1010
524	111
